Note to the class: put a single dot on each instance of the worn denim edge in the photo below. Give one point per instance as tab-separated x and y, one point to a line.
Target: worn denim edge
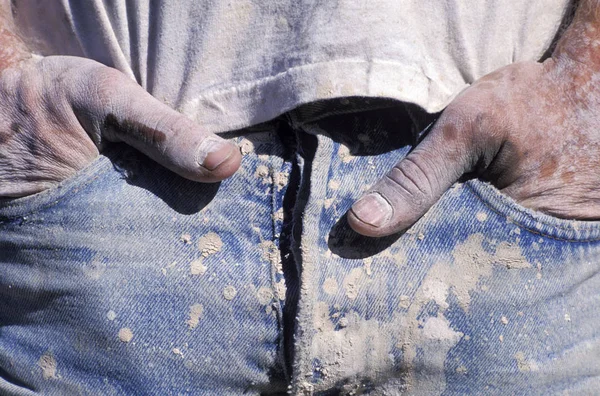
533	221
19	207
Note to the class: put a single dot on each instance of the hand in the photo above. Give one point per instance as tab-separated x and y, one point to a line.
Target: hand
532	129
56	112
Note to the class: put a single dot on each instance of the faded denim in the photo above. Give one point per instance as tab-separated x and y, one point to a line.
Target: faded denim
127	279
481	296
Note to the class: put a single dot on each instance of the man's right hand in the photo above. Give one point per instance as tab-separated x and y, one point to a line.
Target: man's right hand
56	112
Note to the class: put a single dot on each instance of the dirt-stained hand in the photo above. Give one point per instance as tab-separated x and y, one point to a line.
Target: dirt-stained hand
56	112
532	129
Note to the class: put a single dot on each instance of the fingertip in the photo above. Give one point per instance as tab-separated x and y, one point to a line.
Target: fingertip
359	226
367	229
228	167
371	216
218	159
213	151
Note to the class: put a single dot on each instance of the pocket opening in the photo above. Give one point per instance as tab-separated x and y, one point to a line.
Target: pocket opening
11	208
531	220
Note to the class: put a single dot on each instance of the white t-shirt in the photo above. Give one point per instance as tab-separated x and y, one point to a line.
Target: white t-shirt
232	63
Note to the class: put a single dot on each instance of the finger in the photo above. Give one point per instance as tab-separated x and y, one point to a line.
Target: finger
405	193
129	114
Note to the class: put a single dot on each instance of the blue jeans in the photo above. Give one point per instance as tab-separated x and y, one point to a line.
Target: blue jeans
127	279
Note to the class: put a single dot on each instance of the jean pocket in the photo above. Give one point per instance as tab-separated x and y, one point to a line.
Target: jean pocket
531	220
19	207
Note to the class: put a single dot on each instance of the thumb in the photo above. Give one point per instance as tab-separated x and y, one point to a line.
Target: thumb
405	193
125	112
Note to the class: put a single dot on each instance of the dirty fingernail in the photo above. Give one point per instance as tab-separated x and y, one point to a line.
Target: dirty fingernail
213	151
372	209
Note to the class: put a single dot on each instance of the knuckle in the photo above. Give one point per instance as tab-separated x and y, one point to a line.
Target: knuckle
155	132
476	120
106	85
466	112
108	75
410	179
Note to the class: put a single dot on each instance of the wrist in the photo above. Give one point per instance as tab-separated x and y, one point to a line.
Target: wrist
13	49
580	44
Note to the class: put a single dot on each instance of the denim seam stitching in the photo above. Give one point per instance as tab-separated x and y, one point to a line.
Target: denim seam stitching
279	305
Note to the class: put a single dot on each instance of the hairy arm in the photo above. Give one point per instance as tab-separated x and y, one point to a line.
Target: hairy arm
12	48
580	41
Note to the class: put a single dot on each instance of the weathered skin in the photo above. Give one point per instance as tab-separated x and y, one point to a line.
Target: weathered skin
56	112
529	128
532	129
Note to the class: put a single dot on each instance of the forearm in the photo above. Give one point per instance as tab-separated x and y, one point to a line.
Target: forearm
12	48
581	41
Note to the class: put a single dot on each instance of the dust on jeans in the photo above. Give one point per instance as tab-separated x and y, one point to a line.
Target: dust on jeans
363	346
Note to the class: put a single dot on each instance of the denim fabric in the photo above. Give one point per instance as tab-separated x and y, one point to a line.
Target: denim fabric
130	280
481	296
